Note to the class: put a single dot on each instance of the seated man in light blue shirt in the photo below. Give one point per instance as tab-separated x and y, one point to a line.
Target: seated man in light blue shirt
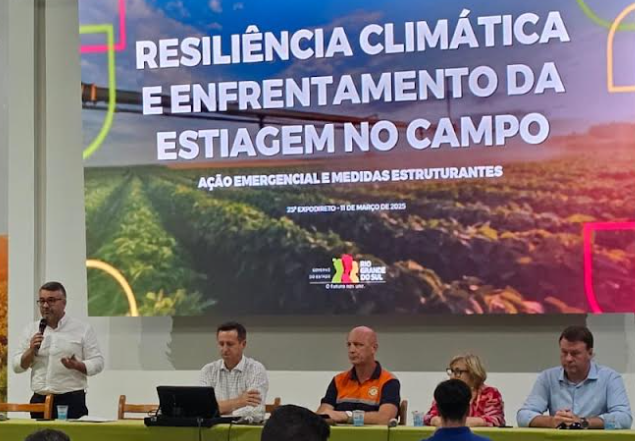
578	393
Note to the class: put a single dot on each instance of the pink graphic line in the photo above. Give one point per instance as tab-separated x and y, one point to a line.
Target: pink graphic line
120	45
588	230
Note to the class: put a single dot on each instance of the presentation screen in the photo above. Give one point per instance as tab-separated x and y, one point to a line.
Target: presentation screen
4	200
358	157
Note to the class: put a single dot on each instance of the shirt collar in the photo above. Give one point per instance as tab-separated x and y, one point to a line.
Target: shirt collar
593	374
240	367
61	322
375	376
453	430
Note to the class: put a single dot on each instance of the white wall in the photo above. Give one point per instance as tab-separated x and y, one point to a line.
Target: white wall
47	242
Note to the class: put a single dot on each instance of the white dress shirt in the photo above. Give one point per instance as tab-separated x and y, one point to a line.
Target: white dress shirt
247	375
48	374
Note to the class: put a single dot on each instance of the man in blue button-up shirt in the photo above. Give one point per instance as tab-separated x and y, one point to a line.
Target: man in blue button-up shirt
580	391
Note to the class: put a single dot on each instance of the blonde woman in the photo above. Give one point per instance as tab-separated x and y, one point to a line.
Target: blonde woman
486	406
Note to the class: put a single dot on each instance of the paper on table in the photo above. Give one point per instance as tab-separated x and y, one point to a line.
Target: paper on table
93	419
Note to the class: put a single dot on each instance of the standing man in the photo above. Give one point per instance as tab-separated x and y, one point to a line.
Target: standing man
240	383
367	386
453	399
579	393
61	357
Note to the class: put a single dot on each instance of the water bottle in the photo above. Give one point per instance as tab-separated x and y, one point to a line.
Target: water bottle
610	423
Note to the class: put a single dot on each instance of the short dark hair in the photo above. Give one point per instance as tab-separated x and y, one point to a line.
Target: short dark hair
47	434
233	326
295	423
53	286
453	399
578	333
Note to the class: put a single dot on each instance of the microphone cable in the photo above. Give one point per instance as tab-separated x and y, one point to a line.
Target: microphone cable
229	430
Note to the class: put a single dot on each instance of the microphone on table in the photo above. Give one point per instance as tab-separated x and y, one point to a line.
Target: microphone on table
42	328
391	425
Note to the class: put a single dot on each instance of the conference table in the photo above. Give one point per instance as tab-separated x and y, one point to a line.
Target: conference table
18	429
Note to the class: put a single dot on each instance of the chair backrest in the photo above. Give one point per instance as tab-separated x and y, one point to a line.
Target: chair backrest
45	408
403	412
271	407
123	408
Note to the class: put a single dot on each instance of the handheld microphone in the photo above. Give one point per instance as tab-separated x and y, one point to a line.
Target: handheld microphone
42	328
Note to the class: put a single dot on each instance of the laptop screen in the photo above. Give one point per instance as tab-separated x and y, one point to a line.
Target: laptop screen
188	401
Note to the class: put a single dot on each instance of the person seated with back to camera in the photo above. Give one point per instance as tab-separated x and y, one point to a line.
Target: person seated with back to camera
486	404
295	423
453	399
47	435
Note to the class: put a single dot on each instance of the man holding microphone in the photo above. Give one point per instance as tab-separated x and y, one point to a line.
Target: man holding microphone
61	352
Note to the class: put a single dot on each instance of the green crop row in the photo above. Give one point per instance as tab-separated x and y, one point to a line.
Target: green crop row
151	260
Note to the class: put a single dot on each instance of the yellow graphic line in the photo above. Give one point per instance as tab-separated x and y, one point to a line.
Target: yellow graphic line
112	89
609	53
114	272
600	21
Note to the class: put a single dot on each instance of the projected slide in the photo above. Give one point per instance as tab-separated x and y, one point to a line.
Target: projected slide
358	157
4	203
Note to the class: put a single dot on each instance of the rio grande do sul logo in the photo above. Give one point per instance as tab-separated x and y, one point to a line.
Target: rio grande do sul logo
348	270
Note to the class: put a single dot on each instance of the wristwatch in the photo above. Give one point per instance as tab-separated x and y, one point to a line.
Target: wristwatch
349	414
584	423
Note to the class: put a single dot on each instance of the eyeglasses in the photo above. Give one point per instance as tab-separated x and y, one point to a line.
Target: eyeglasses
50	301
456	372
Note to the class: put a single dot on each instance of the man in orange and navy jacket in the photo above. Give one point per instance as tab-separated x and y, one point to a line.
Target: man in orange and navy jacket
367	386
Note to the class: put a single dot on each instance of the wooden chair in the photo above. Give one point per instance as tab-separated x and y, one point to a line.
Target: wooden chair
271	407
45	408
403	412
125	408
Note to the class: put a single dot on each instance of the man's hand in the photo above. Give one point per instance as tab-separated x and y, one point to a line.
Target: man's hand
435	421
565	416
73	363
36	342
336	416
27	358
250	398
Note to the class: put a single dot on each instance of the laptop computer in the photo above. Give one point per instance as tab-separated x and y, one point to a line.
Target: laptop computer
187	406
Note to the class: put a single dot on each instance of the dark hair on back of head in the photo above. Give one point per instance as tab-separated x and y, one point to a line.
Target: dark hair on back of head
233	326
295	423
47	435
453	399
577	333
53	286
